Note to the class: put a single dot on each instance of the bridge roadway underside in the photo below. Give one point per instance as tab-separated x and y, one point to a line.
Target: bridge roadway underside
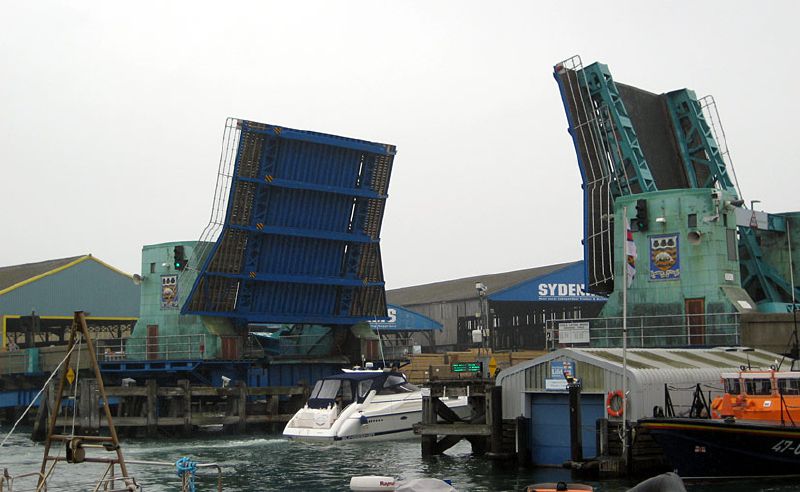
650	118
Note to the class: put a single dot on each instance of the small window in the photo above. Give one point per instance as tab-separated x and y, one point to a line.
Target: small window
758	386
346	393
692	220
152	268
789	386
732	386
363	389
730	235
326	389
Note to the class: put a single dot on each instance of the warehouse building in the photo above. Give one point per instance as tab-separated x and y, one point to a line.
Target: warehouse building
537	390
515	306
38	300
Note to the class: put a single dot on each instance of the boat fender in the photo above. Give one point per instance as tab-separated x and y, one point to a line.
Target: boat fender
372	483
614	403
559	487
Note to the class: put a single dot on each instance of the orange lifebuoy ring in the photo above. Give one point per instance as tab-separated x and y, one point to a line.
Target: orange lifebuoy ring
614	403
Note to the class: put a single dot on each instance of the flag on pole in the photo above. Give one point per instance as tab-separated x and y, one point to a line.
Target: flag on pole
630	254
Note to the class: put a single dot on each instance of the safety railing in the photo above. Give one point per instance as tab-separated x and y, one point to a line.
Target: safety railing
164	347
14	362
682	330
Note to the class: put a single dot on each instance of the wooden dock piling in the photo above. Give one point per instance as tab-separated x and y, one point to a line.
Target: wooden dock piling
151	409
438	420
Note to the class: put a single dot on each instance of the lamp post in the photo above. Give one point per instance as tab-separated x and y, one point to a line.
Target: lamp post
480	287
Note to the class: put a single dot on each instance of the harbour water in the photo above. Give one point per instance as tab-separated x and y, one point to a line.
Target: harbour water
270	463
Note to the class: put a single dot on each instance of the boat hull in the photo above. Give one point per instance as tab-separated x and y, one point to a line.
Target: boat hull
704	448
366	423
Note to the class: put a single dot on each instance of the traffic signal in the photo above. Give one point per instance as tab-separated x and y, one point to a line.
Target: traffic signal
641	215
179	258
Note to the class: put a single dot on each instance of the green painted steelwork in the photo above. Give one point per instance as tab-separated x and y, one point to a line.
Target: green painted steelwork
704	259
623	146
703	162
178	336
759	277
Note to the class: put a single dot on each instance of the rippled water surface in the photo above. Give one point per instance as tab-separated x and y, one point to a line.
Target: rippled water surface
270	463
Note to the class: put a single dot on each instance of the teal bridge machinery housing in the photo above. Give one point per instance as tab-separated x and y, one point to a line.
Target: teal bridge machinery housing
633	143
299	231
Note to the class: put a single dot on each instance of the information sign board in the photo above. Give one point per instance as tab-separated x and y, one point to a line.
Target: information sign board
575	332
466	367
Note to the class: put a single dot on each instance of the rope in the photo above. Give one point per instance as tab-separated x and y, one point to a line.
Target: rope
55	371
184	466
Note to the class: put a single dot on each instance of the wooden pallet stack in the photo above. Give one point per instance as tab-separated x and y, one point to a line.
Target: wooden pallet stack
417	370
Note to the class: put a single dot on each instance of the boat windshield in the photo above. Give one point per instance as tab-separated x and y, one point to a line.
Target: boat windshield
396	384
363	389
760	386
732	386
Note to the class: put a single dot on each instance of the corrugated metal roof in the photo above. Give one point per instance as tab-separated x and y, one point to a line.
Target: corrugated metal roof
464	288
15	274
683	358
672	359
648	371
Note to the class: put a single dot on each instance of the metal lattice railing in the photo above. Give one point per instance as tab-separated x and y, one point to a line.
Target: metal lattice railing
165	347
694	330
227	161
14	362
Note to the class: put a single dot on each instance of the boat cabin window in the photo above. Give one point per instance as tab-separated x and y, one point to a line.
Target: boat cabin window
732	386
326	389
363	389
789	386
760	386
329	391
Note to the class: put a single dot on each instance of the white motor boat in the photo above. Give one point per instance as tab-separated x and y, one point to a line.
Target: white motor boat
363	404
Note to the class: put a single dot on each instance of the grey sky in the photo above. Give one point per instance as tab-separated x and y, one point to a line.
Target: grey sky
112	114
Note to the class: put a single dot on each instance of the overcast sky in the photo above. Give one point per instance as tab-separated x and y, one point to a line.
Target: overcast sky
112	114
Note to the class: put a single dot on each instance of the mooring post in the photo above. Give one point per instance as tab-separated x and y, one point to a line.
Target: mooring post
576	439
152	405
242	425
187	405
495	420
428	418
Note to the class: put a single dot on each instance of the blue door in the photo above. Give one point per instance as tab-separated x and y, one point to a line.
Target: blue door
550	426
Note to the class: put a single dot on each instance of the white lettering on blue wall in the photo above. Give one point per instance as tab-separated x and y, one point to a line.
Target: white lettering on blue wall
563	290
